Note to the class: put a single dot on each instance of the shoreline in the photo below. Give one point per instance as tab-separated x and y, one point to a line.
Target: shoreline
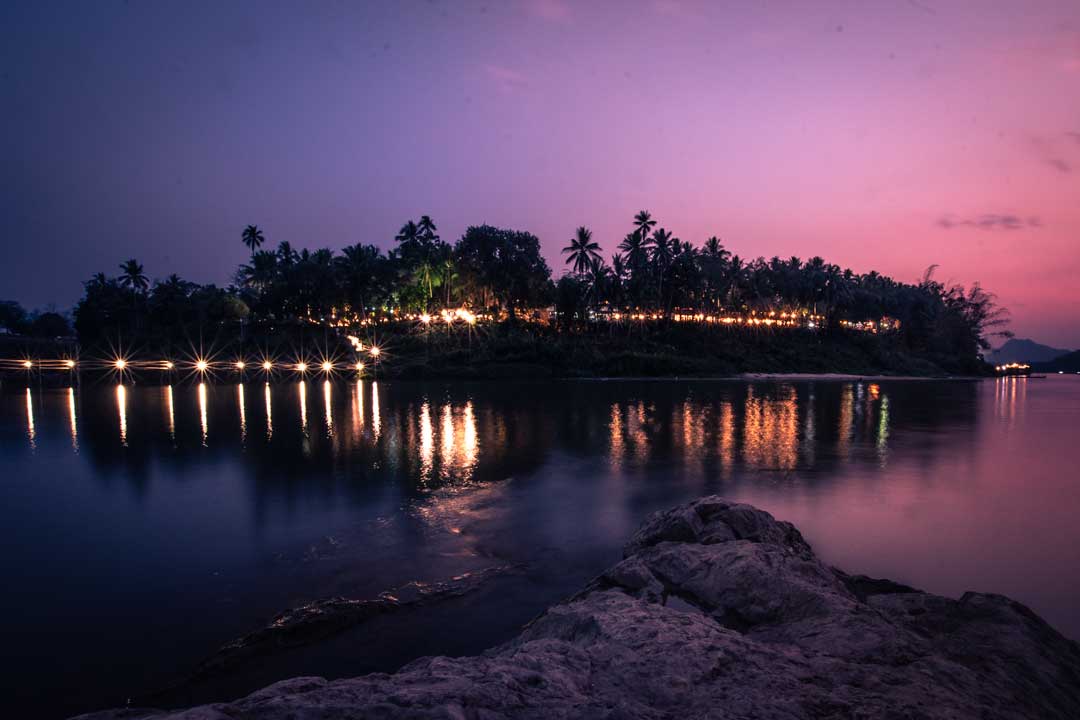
717	604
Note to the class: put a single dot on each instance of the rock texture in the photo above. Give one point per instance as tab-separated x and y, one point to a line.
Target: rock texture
719	611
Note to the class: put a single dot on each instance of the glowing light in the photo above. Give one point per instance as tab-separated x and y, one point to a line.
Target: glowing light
240	364
27	364
301	367
267	365
376	419
69	364
120	363
375	352
169	365
360	367
327	366
425	318
427	442
201	365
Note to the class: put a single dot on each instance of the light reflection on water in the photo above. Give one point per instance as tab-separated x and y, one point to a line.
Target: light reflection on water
949	486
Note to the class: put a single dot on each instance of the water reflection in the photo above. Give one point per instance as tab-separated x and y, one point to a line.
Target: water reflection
269	412
31	433
243	415
74	422
327	410
203	422
427	480
121	407
170	413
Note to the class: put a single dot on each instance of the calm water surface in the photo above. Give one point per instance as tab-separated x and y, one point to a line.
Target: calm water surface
144	527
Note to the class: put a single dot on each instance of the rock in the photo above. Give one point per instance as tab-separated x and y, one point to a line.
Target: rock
720	611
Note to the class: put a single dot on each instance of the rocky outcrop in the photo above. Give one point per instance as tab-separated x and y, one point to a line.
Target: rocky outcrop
720	611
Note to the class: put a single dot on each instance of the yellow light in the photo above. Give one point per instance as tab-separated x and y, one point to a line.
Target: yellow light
69	363
301	367
239	364
359	366
375	352
201	365
27	364
169	365
120	363
327	366
267	365
425	318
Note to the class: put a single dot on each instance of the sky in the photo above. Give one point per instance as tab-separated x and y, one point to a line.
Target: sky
879	135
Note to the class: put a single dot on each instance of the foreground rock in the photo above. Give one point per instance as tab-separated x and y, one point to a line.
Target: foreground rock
720	611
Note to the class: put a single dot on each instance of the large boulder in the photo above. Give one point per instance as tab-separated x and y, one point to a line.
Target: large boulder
720	611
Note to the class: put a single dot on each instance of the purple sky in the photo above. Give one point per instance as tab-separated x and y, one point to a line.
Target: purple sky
880	135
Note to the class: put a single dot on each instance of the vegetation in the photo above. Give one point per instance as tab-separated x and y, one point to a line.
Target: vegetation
501	276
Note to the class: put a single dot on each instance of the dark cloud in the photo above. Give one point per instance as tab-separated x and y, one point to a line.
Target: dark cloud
990	221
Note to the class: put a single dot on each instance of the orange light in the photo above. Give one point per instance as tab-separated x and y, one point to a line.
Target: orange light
69	363
425	318
27	364
327	366
301	367
268	365
169	365
375	352
359	366
120	364
201	365
239	364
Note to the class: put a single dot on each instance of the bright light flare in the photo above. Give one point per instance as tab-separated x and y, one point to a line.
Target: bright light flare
375	352
170	365
202	366
425	318
240	364
359	367
301	367
27	364
69	364
327	366
268	366
120	363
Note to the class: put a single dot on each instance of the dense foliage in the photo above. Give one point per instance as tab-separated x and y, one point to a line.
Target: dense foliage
502	273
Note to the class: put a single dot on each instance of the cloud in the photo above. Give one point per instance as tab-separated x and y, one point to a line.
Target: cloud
1049	152
505	77
990	222
552	10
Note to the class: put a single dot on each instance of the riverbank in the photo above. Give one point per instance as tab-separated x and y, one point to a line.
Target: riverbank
718	607
522	351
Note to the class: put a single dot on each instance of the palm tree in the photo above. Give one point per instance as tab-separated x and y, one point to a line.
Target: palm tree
583	251
132	277
427	228
253	238
663	251
644	223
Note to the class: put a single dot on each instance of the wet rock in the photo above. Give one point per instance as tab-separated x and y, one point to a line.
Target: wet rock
719	611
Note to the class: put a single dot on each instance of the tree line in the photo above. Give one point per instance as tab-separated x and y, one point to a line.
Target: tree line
502	272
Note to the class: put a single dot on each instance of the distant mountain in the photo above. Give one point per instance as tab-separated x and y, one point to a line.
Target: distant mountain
1069	363
1024	350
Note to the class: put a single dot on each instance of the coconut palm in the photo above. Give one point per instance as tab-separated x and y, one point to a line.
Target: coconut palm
644	223
582	250
253	238
132	277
